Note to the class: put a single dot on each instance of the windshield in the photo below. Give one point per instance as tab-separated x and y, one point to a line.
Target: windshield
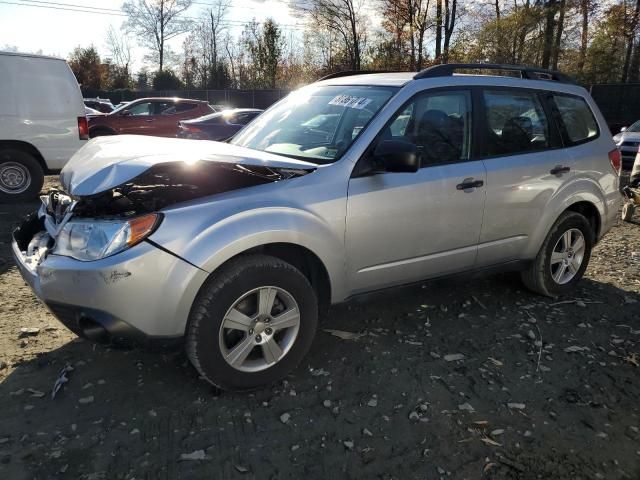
315	123
120	108
635	127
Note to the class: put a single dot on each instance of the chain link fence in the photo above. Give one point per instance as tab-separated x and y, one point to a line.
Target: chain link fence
619	103
230	98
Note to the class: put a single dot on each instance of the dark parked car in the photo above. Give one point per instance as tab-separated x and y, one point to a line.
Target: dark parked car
148	116
217	126
103	105
91	112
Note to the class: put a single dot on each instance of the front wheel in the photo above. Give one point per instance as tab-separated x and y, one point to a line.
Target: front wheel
251	323
563	257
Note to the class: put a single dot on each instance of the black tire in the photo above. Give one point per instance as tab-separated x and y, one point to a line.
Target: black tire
15	161
628	210
100	132
219	293
538	277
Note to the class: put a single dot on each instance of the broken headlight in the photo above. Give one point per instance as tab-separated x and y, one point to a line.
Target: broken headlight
95	239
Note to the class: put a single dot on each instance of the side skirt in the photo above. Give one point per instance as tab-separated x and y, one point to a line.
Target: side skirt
511	266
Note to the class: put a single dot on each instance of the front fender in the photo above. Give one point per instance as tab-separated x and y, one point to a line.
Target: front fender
216	243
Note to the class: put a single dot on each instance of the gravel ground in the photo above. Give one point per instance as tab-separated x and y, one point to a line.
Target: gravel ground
466	379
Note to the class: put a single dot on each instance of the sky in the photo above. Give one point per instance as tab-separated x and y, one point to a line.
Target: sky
56	27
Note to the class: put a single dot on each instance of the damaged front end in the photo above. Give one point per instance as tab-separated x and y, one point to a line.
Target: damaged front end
96	226
76	250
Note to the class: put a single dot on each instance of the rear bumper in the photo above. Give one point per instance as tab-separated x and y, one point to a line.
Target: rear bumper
140	296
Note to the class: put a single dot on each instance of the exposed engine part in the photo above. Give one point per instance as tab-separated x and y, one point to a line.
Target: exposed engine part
171	183
37	249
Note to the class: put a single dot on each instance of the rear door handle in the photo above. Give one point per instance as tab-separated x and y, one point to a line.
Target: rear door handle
469	184
150	120
558	169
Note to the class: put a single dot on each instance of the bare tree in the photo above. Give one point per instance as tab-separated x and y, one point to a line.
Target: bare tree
585	11
155	22
439	31
550	8
632	17
119	50
450	10
342	16
408	21
557	45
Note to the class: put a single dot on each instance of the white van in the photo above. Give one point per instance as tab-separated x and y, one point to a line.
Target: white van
42	121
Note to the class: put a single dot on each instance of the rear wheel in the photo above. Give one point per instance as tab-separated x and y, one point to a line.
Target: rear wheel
251	323
21	176
563	257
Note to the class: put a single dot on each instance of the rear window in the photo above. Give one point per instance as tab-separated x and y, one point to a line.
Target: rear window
185	107
577	118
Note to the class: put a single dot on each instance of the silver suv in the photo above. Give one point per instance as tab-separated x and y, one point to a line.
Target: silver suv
352	184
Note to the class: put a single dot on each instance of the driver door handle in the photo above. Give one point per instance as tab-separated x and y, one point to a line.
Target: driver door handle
469	184
558	169
150	120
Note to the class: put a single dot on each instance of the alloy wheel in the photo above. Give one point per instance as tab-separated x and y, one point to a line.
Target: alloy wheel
259	329
567	256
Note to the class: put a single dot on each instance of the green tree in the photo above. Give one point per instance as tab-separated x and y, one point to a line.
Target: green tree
166	80
87	67
264	48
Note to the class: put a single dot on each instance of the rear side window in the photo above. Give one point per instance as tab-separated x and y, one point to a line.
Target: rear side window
576	117
516	122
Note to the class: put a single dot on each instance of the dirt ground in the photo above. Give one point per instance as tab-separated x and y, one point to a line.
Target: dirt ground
466	379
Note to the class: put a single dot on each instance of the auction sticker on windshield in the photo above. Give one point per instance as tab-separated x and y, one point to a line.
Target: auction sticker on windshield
350	102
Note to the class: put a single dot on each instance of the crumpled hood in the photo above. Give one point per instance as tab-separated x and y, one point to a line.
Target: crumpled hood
107	162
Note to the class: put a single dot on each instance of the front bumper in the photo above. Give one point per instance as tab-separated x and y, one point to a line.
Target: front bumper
142	295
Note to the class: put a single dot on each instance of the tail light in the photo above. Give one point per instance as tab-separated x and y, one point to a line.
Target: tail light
615	157
83	128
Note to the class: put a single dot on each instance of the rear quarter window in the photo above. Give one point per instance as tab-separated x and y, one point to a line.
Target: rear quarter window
578	123
185	107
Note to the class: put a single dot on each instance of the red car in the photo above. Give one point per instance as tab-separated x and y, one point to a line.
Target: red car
148	116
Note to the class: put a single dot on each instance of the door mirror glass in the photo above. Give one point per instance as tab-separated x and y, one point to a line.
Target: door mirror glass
125	113
397	156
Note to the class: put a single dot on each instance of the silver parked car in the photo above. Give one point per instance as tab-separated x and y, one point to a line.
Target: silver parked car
628	142
348	185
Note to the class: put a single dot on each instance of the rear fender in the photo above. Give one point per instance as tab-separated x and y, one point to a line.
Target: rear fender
582	190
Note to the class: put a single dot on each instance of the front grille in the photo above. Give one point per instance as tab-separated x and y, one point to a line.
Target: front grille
630	144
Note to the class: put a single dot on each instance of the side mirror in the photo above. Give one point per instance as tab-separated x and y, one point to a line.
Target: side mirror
125	113
623	129
397	156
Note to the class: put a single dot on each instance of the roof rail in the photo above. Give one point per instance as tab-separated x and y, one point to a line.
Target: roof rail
348	73
531	73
